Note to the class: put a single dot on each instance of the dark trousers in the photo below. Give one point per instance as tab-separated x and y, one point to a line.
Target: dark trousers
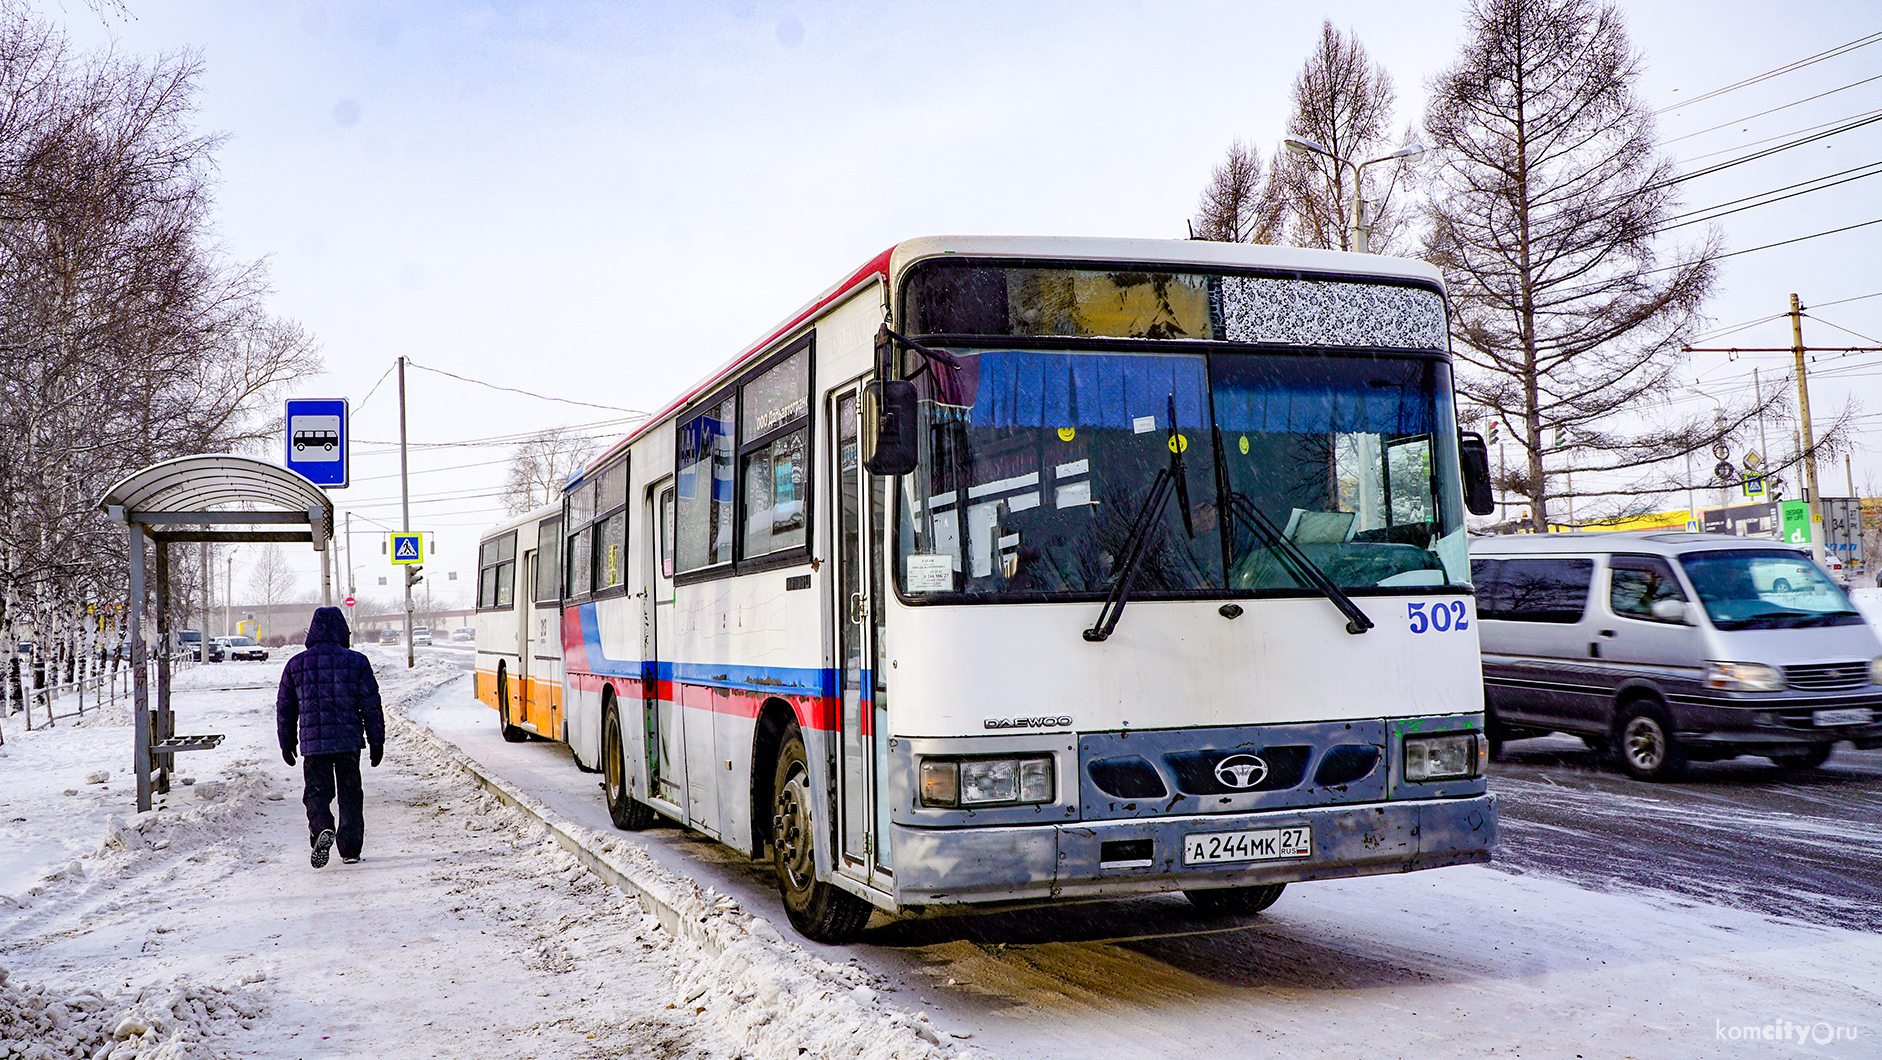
326	776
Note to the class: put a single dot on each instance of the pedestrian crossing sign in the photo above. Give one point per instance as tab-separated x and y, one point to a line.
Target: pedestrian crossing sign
408	548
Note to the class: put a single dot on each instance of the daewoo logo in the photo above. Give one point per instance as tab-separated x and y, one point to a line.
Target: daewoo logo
1060	722
1241	771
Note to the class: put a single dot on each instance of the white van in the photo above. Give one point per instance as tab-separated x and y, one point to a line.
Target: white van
1673	647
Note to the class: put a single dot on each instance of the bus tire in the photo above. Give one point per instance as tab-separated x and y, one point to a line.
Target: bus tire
628	814
510	732
819	910
1235	901
1645	742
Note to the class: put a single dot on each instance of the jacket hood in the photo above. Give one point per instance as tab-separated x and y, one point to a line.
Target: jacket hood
329	627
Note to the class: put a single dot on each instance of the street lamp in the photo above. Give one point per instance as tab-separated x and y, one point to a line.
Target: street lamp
1361	229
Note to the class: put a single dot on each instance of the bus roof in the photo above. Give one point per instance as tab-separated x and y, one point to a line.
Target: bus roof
534	515
894	260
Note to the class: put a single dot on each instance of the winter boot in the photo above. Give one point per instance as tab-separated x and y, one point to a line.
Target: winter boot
323	844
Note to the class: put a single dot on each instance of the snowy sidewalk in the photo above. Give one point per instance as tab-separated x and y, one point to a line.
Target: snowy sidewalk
200	930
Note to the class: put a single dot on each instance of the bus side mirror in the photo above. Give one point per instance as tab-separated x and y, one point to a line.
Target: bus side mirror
888	427
1478	496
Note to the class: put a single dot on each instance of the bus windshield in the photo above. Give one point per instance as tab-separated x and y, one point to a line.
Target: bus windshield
1036	463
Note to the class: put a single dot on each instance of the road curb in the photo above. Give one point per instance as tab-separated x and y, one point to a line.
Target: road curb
587	846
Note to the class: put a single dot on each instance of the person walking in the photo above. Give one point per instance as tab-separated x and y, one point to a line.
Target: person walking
328	708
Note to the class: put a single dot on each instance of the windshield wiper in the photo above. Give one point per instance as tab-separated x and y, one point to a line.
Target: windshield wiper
1356	620
1137	542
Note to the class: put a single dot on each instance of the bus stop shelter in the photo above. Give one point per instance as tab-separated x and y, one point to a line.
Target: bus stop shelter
215	498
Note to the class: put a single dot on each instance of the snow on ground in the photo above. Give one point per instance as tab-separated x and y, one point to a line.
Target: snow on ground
200	930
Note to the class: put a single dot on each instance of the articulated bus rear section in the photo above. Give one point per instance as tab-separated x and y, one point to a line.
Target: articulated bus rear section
519	646
1018	570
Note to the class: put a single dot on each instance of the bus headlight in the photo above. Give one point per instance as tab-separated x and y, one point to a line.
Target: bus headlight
1743	677
986	781
1451	757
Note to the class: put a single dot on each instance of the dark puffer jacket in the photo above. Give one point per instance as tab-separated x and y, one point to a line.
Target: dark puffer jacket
328	698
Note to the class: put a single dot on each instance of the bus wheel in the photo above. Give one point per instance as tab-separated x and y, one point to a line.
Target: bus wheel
626	813
818	910
510	732
1235	901
1647	747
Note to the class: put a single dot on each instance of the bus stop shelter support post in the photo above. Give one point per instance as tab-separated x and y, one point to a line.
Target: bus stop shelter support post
161	723
140	682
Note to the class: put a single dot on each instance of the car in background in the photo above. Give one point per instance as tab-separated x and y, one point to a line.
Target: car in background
463	635
243	649
388	636
190	642
421	635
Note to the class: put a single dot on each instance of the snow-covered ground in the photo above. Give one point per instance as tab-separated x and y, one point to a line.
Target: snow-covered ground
200	930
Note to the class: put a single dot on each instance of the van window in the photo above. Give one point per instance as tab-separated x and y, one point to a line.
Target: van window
1535	590
1636	583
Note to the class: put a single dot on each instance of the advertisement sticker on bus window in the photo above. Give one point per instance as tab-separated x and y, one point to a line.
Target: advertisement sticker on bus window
929	573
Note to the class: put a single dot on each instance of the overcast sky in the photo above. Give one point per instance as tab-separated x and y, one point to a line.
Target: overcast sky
603	201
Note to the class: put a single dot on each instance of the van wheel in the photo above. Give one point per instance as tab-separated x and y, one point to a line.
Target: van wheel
1495	732
1810	759
624	810
1646	743
1235	901
818	910
510	731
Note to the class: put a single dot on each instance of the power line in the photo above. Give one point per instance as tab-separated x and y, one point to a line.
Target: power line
1808	60
525	393
1874	168
1774	110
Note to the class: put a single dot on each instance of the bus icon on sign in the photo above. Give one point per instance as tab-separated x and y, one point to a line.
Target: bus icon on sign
315	437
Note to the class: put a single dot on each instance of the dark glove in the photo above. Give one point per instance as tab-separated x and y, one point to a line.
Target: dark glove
287	756
378	752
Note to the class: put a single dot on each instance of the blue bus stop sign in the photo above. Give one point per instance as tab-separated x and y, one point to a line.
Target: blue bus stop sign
317	440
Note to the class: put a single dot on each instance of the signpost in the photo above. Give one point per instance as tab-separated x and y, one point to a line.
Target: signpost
317	440
408	548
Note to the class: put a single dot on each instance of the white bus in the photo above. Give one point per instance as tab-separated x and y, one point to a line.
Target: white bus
519	644
857	600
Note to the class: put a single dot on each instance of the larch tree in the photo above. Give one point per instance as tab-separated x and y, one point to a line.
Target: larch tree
1569	309
1342	101
1233	208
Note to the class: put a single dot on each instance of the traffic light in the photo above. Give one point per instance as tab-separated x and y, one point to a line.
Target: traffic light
1491	435
412	577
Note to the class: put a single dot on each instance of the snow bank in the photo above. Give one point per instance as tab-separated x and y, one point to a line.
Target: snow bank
177	1020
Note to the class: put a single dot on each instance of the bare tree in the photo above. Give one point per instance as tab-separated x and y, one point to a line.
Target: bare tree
1233	208
124	338
540	466
1568	308
271	583
1342	101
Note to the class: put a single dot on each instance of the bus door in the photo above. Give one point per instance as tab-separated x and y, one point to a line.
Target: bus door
861	735
525	599
666	756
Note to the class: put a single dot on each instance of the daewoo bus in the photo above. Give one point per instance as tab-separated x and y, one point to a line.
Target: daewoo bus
518	624
859	599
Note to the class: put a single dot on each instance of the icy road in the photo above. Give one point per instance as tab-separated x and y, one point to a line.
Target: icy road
1618	923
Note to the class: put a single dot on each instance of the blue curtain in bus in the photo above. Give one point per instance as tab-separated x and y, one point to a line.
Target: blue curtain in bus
1321	406
1035	388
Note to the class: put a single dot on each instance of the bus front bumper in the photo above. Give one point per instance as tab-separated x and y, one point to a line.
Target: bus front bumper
1088	859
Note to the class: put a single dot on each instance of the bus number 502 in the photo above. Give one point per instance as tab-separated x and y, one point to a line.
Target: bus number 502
1444	617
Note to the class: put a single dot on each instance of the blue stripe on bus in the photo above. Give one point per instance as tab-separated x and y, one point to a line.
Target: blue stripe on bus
791	680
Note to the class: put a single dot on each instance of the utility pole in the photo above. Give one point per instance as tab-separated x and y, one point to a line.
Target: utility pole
1806	440
1815	508
405	518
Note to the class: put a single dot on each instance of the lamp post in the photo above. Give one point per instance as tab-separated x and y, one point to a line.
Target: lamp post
228	595
1361	228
